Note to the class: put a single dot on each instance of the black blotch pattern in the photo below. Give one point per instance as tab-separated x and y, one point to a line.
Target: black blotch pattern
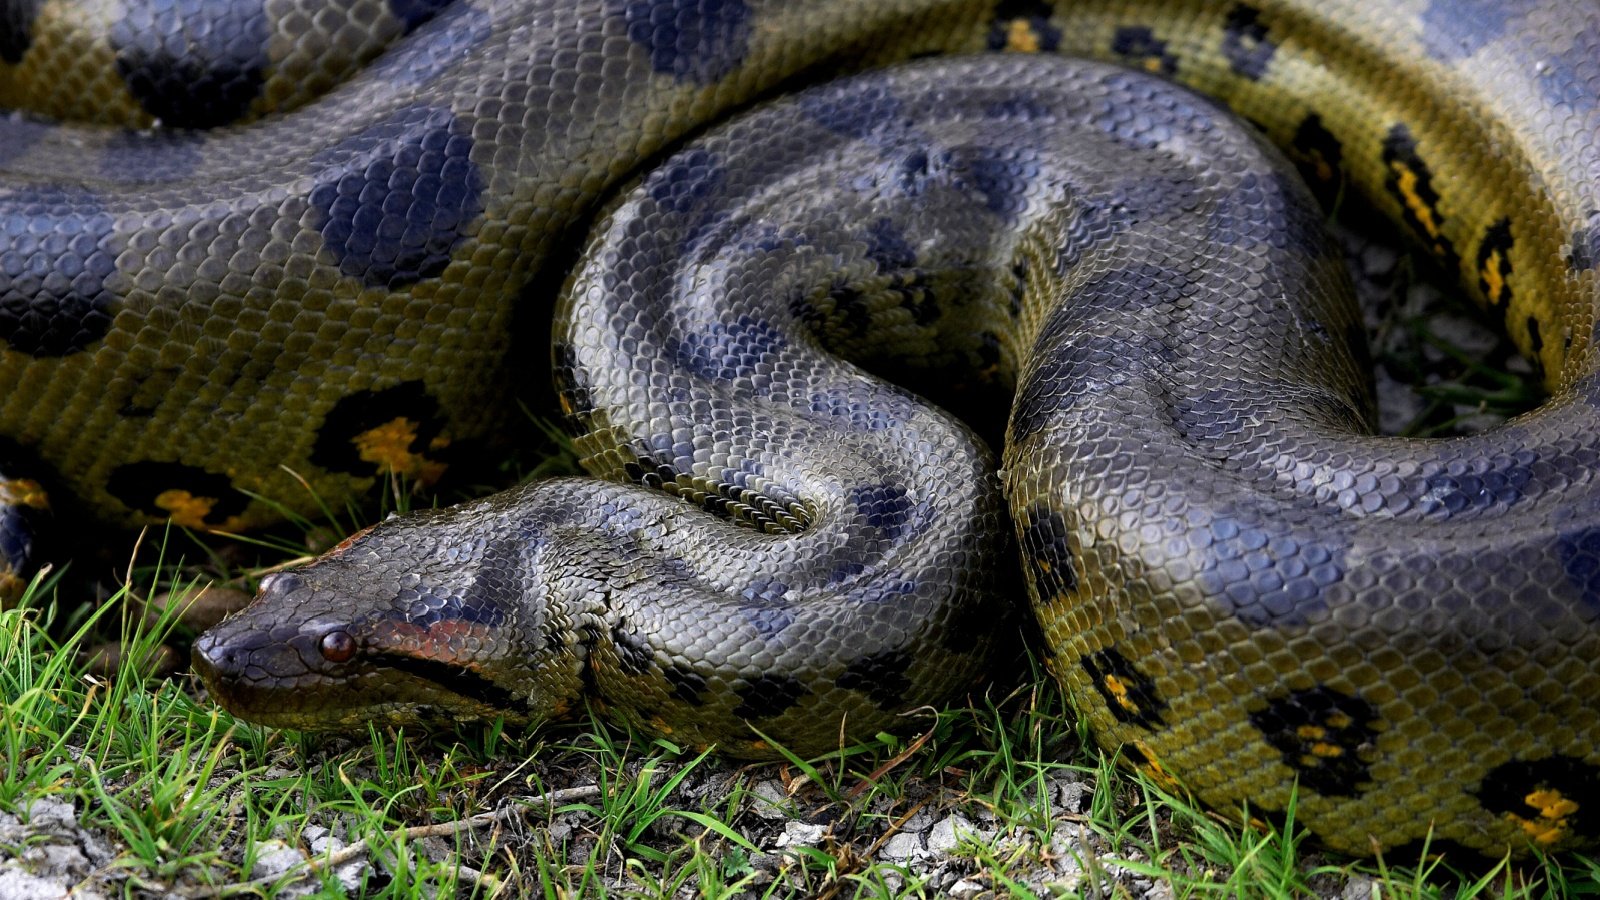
1414	851
395	200
355	414
1494	259
724	351
1452	494
633	654
1556	793
1320	157
1139	46
688	686
138	485
768	695
888	248
1002	176
1259	573
23	523
867	110
1261	210
570	383
1535	346
1585	252
16	28
881	676
1037	15
1245	43
1322	734
57	265
415	12
1400	156
884	507
1048	554
692	40
191	63
1130	694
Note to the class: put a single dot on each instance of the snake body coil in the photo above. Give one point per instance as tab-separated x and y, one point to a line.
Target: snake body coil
1241	591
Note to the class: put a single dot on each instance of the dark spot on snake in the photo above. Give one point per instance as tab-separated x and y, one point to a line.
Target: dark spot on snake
1551	798
413	13
860	413
457	680
765	608
1030	18
634	656
687	685
190	495
1320	157
1579	552
1048	554
724	351
1453	30
190	63
1023	105
1421	851
424	609
1139	47
867	109
685	182
881	676
1535	345
1001	175
884	507
1263	578
1455	493
692	40
1129	694
1494	263
1585	252
888	248
1410	181
1322	734
571	381
16	28
395	200
765	696
408	407
57	266
1245	43
1262	210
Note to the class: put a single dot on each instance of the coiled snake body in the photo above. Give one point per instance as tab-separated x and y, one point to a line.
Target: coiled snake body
1241	592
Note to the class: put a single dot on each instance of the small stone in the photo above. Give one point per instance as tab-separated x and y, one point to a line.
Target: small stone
51	814
275	858
769	800
967	889
1161	890
1378	260
948	833
801	834
1359	887
903	846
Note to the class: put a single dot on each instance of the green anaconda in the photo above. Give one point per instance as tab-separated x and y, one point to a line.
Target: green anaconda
1242	591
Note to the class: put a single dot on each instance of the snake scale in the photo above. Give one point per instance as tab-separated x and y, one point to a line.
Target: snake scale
1244	593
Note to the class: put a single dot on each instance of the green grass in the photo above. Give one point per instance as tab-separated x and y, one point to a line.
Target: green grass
190	800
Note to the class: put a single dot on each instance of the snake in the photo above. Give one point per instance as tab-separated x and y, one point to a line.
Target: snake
294	249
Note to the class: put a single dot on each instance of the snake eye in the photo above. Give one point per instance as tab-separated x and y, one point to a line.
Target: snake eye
337	646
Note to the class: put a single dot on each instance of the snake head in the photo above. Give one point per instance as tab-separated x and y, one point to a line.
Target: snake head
419	619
